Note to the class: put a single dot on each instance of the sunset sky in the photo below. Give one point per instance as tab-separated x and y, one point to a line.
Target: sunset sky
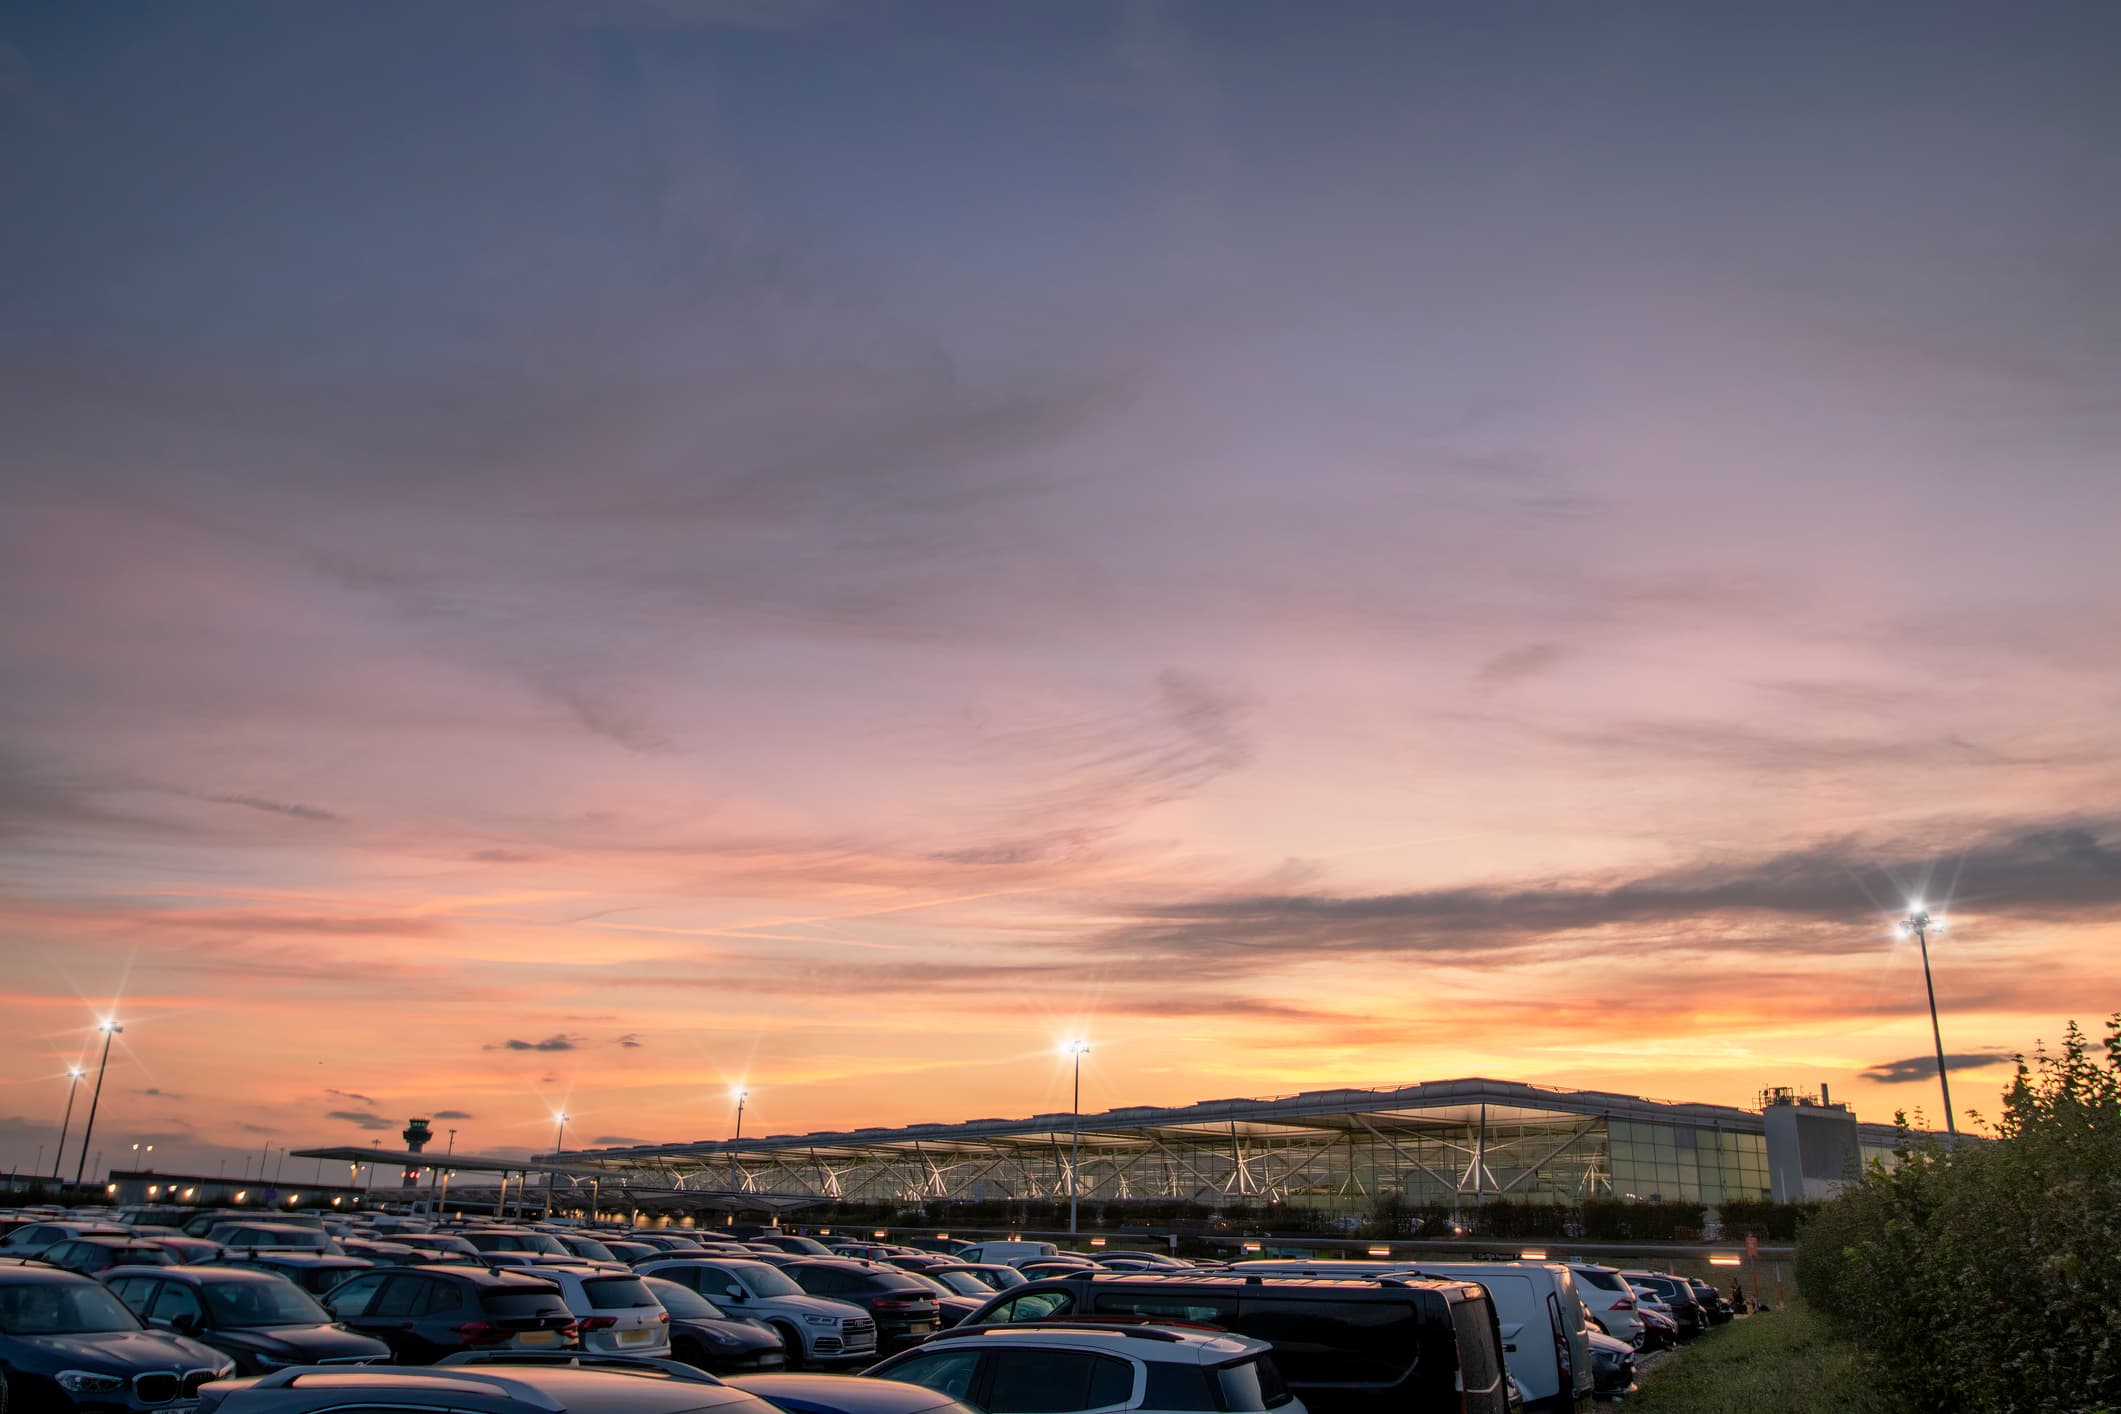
567	553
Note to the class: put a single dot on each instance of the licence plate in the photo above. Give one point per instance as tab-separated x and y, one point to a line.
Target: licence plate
633	1337
920	1327
538	1338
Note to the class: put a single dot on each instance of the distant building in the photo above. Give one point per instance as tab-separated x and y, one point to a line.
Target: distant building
1447	1142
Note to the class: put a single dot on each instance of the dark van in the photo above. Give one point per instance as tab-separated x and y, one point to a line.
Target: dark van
1384	1346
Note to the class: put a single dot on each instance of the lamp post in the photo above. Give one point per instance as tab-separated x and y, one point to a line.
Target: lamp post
551	1174
1077	1050
73	1083
109	1028
741	1095
1918	924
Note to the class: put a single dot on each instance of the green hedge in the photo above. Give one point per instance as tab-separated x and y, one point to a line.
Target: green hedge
1987	1279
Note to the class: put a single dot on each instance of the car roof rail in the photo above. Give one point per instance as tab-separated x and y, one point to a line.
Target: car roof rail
309	1375
644	1365
1067	1327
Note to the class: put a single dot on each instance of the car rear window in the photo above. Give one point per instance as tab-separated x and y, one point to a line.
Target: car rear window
617	1293
1604	1281
1372	1342
1250	1386
1042	1380
519	1303
1477	1363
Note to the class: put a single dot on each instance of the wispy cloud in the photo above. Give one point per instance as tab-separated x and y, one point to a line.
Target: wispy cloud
560	1042
1901	1072
453	1114
280	807
361	1120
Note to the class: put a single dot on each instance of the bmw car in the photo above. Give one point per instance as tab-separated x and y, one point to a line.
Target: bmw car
67	1344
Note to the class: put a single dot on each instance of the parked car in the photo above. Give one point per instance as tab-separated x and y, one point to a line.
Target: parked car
800	1246
669	1242
202	1224
1007	1253
903	1306
1613	1363
383	1254
1713	1303
813	1329
951	1308
95	1254
425	1313
497	1239
1540	1316
68	1343
629	1252
188	1250
31	1239
437	1244
269	1236
150	1215
1154	1259
960	1283
315	1272
997	1275
1346	1346
1659	1330
259	1319
582	1245
1610	1299
702	1334
616	1311
588	1385
1677	1296
1055	1267
840	1394
1057	1370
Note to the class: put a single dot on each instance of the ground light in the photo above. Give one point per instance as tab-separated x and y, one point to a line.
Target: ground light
1531	1256
1725	1261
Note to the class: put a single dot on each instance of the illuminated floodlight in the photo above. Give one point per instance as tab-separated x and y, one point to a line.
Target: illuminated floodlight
1724	1261
1531	1256
1380	1251
1075	1048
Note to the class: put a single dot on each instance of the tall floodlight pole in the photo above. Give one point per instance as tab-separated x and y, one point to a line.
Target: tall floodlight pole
551	1174
1077	1050
73	1083
741	1095
109	1028
1918	924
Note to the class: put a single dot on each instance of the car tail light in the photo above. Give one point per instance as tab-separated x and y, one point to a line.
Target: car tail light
571	1331
481	1333
662	1318
1625	1303
602	1323
888	1304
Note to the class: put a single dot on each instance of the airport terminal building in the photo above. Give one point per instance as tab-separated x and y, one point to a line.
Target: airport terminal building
1450	1142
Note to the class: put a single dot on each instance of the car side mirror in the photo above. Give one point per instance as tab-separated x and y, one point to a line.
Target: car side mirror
736	1293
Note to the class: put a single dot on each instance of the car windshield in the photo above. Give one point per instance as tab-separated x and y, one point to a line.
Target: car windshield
764	1280
62	1308
685	1303
591	1248
964	1284
262	1303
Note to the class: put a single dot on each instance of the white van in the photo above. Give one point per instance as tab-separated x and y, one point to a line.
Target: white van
1545	1341
1007	1254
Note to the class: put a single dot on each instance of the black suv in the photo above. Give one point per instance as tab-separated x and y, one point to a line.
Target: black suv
66	1343
261	1321
1388	1345
315	1272
425	1313
590	1386
903	1307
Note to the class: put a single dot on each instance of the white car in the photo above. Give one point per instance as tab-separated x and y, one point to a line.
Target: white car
1079	1369
1007	1254
814	1329
618	1314
1612	1302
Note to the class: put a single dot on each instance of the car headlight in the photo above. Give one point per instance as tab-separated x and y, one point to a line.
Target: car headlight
719	1338
822	1320
225	1369
89	1382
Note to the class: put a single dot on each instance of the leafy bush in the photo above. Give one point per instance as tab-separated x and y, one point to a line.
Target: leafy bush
1987	1279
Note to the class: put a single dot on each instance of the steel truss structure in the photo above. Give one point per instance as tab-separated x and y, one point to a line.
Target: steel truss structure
1449	1142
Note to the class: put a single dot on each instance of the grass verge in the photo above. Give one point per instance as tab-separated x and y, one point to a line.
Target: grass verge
1784	1362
